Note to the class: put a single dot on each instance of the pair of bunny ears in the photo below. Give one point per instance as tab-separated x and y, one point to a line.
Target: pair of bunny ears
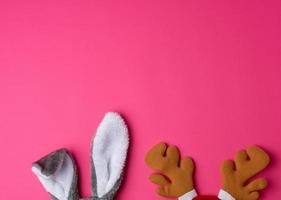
58	174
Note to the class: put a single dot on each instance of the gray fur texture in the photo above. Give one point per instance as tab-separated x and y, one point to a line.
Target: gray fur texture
55	169
52	161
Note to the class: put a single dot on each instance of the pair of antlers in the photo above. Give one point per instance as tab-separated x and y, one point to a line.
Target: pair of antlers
175	174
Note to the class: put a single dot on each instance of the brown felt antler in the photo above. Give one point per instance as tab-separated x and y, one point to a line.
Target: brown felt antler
174	175
236	174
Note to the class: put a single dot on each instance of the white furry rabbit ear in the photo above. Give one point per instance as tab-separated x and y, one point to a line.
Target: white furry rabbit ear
57	173
109	151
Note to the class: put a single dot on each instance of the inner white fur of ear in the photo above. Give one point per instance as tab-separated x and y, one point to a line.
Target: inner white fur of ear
109	152
59	183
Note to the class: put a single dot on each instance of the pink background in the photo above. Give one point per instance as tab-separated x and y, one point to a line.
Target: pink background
204	75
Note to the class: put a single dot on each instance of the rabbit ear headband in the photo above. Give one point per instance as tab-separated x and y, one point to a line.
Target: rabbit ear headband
175	174
57	171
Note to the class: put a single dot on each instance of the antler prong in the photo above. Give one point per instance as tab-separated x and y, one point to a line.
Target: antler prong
236	174
175	175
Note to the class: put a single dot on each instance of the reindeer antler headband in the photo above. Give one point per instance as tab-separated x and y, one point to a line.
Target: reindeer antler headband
175	174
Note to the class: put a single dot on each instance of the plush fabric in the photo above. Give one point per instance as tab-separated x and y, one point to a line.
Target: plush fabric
206	197
166	160
189	195
223	195
174	174
57	173
109	152
236	174
57	170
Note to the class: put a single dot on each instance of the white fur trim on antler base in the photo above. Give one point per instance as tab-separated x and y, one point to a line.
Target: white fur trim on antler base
189	196
223	195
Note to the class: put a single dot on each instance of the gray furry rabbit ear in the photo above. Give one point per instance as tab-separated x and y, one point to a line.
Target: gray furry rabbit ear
57	171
